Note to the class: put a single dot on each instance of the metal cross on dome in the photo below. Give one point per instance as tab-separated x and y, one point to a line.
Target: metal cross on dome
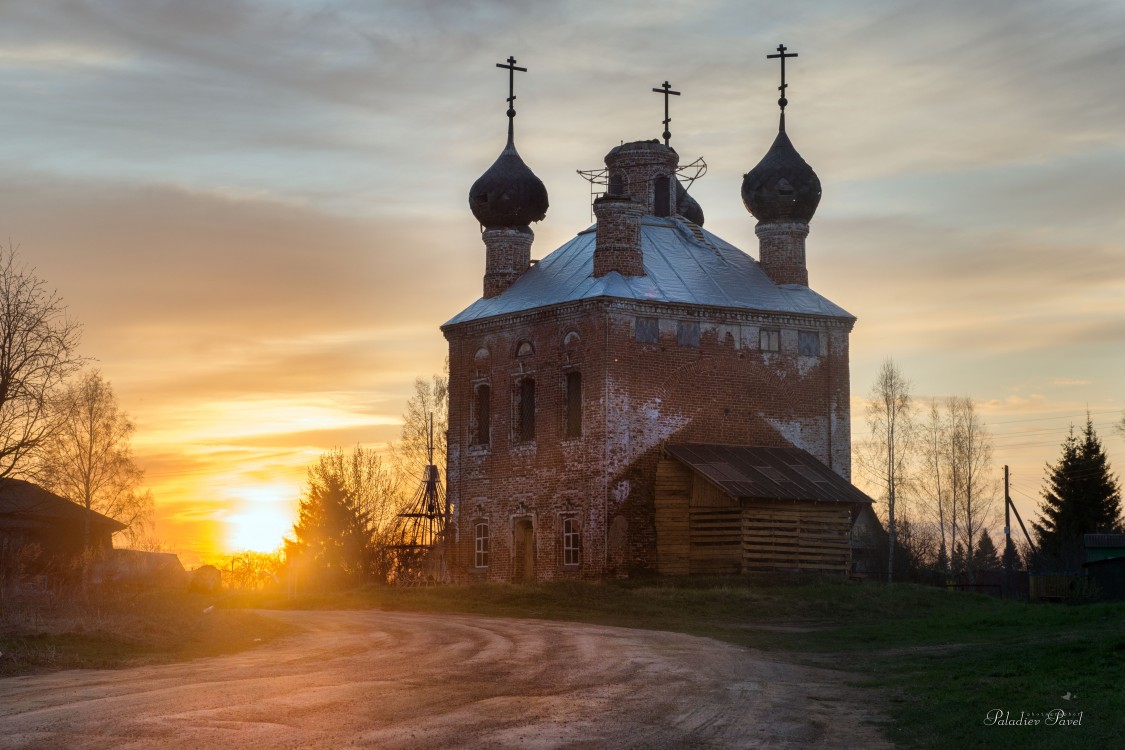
666	89
782	101
512	68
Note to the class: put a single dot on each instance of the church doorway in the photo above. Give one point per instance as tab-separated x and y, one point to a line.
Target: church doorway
523	552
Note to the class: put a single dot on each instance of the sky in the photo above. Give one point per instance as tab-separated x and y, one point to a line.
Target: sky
258	209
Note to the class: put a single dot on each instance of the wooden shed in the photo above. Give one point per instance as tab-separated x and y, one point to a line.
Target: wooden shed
723	509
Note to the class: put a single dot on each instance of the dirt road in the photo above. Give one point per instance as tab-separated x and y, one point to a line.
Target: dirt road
398	680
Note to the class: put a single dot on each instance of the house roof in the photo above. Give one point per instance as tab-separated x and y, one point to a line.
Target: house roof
24	500
756	473
683	263
1111	541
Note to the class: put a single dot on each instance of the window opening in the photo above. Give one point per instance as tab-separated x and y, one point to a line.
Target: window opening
482	433
647	330
527	410
572	547
687	333
663	198
573	404
808	343
771	340
480	559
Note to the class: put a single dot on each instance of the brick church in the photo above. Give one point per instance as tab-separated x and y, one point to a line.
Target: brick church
648	397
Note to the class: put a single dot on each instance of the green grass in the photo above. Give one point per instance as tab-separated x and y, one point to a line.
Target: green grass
936	661
46	632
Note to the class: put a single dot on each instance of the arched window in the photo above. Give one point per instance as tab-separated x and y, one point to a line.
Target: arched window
483	362
572	542
573	426
482	415
525	409
662	203
481	545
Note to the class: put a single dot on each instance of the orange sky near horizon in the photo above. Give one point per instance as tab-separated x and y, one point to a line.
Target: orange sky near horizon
258	209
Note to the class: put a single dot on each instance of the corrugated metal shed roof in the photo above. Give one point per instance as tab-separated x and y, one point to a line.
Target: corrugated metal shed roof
1112	541
767	473
683	264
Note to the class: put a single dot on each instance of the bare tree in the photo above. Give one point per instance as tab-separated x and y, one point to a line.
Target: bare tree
933	479
890	419
38	351
88	458
372	484
430	397
974	493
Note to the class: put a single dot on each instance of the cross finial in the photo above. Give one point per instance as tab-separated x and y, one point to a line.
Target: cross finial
782	101
666	89
512	68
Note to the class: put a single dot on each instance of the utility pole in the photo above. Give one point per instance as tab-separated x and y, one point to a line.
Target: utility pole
1008	551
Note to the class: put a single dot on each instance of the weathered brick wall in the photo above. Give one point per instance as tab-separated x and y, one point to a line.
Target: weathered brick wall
507	256
781	251
618	243
638	165
636	397
544	480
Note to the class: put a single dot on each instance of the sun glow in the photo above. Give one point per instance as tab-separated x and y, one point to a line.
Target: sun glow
265	515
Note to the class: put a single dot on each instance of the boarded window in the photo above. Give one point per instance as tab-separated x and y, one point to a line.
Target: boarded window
616	185
526	411
573	404
647	330
482	416
771	340
524	349
480	558
808	343
687	333
572	542
663	198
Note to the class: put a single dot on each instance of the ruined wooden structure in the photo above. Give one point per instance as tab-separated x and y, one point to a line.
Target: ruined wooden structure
738	509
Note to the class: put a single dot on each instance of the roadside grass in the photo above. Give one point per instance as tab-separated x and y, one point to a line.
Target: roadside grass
46	631
938	661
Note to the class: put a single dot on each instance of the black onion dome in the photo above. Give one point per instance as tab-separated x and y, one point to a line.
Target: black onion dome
688	207
783	187
508	194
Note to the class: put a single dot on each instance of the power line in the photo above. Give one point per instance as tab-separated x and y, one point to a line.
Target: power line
1040	419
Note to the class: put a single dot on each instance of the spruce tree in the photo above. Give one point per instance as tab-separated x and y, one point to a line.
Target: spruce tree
984	554
331	536
1081	496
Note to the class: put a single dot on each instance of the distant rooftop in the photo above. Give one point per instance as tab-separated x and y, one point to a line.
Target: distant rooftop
683	263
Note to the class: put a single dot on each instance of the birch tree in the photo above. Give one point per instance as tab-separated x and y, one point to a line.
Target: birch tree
88	457
974	491
933	480
890	421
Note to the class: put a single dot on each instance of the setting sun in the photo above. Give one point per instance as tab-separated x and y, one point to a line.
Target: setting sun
265	514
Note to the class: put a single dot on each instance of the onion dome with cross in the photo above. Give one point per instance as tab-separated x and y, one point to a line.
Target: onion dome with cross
782	187
508	194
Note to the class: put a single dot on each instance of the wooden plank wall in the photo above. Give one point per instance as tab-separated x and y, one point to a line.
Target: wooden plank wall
801	536
716	539
673	495
702	530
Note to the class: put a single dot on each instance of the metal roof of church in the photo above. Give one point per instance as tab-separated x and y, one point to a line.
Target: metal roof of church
683	263
761	473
